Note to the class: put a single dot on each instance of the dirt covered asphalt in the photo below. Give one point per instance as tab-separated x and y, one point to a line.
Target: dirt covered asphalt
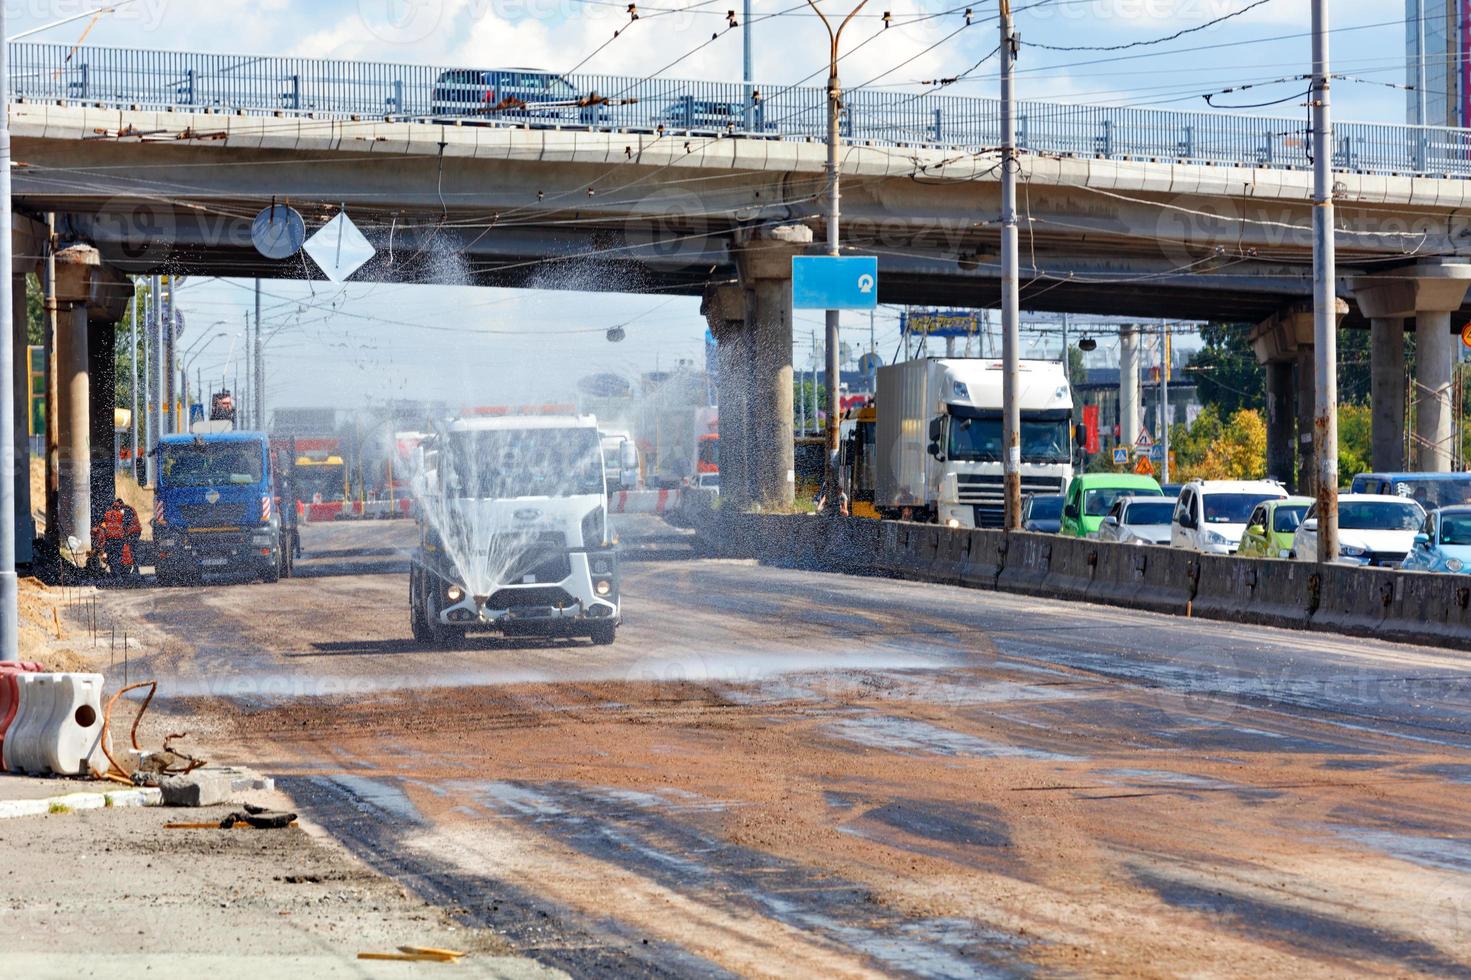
781	773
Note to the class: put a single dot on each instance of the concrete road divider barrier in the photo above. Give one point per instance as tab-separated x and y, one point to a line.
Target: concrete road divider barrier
1274	592
1028	562
851	546
1429	607
952	550
57	725
1353	599
1143	577
1074	562
985	558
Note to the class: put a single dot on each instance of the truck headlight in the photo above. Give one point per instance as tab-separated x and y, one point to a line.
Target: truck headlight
455	593
602	586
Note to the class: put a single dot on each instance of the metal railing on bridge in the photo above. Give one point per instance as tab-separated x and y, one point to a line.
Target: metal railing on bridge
123	77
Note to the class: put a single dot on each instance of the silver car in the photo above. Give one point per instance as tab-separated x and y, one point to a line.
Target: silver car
1138	520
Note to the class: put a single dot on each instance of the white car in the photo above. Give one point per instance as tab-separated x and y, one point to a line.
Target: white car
1373	529
1210	515
1138	520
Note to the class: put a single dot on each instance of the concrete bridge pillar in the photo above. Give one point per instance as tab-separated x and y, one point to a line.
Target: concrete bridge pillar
87	294
1284	342
1281	424
1129	424
1429	291
1387	392
724	310
764	262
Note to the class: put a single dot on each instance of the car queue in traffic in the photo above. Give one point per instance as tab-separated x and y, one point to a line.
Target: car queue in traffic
1414	521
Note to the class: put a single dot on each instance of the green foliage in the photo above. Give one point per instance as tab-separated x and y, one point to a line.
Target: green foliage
1226	371
1355	440
1210	449
802	395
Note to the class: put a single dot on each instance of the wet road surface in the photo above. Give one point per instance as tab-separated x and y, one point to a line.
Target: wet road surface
776	772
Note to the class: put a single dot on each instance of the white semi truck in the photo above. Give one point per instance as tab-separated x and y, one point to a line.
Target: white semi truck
620	460
514	536
939	450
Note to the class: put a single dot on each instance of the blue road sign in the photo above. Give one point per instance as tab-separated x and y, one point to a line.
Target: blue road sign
1120	455
1157	452
826	282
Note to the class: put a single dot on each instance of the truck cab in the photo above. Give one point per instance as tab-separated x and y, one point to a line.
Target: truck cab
939	440
513	531
216	509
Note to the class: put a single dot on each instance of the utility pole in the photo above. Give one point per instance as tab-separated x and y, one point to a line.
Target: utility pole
1164	400
9	584
133	388
147	381
834	369
258	399
1011	420
1325	297
746	59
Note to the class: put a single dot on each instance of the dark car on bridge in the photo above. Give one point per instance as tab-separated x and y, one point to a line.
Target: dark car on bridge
712	116
1042	512
526	95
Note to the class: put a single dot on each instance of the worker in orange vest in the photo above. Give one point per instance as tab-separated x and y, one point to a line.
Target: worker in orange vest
120	528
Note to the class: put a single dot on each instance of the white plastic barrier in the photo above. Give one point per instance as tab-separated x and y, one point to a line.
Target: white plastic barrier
643	501
57	726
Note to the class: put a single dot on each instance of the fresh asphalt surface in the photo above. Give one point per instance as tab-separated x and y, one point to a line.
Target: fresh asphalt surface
775	771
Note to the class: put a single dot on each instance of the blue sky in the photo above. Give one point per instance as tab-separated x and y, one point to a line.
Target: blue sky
380	349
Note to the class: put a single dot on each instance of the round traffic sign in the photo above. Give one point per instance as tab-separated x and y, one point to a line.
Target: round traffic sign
1466	335
278	232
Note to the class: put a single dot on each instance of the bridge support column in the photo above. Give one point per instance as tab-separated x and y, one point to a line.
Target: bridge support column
1129	424
86	293
1387	392
1284	342
1429	291
74	419
724	309
765	266
1434	417
1280	421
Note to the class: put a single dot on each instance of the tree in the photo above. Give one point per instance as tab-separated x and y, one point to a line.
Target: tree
1210	449
802	389
1226	372
1355	440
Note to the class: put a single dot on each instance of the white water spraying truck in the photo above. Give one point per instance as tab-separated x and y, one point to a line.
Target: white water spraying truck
513	531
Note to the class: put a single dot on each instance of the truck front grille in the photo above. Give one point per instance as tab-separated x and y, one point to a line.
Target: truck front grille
990	490
212	515
537	597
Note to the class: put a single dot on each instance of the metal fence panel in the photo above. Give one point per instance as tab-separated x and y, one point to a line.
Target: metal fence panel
124	77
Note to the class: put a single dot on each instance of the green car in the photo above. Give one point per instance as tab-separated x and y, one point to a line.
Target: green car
1091	495
1270	527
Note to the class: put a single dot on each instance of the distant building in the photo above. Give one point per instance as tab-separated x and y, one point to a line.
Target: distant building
1438	62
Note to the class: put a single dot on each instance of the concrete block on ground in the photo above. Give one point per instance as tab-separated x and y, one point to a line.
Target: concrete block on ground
211	786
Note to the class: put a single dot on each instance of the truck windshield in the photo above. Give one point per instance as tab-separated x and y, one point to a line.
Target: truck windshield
501	463
211	464
1044	439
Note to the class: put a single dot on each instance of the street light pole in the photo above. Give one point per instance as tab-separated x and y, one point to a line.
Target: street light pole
9	584
746	58
1325	298
1011	421
834	371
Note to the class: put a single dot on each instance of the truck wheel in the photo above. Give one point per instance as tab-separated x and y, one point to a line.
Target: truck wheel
603	634
446	636
272	574
418	624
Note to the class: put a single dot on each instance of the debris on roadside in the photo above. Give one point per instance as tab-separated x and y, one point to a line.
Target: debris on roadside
252	818
417	954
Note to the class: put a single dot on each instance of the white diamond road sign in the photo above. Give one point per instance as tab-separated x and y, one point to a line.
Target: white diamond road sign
338	248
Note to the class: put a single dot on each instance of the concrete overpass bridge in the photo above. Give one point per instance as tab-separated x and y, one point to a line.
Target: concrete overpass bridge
159	160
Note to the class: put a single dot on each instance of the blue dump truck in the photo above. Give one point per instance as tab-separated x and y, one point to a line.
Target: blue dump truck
218	508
